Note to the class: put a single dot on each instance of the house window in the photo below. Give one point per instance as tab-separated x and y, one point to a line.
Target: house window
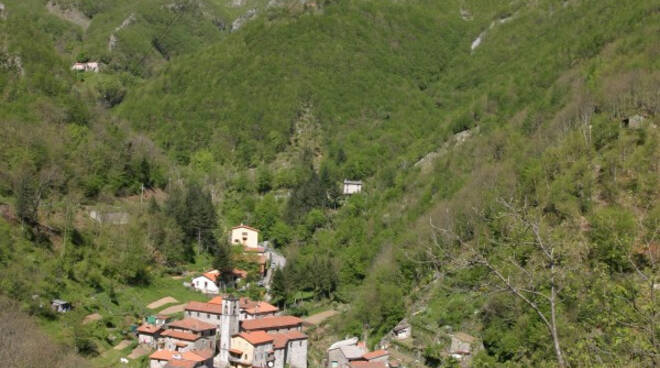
334	364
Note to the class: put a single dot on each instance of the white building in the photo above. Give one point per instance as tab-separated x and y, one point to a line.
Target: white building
352	186
245	235
91	66
211	282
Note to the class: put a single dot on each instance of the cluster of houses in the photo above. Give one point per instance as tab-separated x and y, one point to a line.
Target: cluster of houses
226	332
352	353
214	281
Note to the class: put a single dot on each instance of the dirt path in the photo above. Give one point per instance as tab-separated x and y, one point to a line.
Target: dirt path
91	318
138	352
318	318
161	302
122	345
173	309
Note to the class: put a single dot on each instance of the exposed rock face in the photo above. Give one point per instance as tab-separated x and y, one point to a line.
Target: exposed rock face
70	14
3	11
240	21
112	42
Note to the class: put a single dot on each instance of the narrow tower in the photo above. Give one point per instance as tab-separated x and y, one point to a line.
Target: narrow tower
228	327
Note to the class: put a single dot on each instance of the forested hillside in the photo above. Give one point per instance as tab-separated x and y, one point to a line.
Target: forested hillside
509	153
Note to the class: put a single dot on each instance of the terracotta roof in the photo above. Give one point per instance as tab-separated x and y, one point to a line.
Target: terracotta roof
216	300
148	329
270	322
175	363
281	339
212	275
241	226
163	316
236	351
240	273
204	307
180	335
375	354
191	324
256	337
261	308
363	364
194	355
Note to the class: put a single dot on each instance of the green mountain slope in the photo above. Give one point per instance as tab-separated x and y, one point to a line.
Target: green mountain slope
453	139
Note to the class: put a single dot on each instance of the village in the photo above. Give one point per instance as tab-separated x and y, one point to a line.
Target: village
231	330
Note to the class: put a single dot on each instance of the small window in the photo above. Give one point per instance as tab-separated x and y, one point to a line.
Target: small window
334	364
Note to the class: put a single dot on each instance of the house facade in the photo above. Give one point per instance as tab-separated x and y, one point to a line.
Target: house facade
244	235
352	186
251	349
207	312
148	334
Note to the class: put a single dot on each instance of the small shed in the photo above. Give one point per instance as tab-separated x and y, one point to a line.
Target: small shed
60	306
633	122
403	330
352	186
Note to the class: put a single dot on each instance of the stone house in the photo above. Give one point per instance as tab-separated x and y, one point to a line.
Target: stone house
257	310
352	186
206	312
377	356
251	349
277	324
188	333
402	330
290	349
244	235
341	353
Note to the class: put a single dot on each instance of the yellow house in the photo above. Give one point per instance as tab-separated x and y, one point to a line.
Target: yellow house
245	235
251	349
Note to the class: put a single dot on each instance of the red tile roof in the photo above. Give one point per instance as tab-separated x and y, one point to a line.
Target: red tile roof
240	273
363	364
148	329
271	322
181	363
194	355
204	307
216	300
212	275
236	351
191	324
180	335
375	354
281	339
261	308
254	249
256	337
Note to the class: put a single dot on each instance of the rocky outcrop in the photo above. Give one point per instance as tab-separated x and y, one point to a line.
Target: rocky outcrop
112	42
240	21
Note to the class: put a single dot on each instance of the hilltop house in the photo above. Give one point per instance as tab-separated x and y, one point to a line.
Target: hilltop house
352	186
244	235
213	281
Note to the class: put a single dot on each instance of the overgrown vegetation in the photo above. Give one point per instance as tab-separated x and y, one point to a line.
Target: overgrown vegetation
261	125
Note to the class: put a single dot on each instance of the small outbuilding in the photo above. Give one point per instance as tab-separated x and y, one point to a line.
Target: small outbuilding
403	330
352	186
60	306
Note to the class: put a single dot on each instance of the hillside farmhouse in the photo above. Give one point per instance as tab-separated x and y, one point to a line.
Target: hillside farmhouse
244	235
351	353
352	186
